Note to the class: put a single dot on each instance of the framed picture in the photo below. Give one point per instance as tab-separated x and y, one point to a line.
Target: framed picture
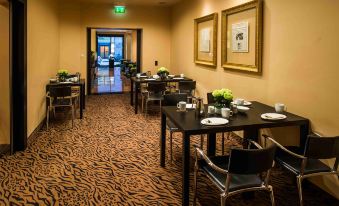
241	37
205	40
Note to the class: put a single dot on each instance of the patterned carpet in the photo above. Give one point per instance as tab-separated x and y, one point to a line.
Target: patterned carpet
111	157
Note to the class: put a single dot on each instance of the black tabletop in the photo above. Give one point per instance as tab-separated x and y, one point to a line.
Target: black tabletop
175	79
188	121
82	81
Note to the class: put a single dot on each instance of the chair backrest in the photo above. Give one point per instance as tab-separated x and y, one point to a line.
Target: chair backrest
173	99
156	87
322	147
60	91
210	98
251	161
187	85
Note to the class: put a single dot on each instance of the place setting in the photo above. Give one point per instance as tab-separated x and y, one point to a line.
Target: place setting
279	108
183	106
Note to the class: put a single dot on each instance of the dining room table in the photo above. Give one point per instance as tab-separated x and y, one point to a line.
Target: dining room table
136	82
250	122
80	83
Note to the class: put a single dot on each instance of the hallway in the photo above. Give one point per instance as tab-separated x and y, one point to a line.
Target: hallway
107	81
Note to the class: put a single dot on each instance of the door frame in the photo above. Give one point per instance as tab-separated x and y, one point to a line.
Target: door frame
18	74
89	40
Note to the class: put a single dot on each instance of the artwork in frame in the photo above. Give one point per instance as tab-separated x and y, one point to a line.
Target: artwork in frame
205	40
241	37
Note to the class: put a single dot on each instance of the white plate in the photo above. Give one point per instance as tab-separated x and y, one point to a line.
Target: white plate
149	79
246	103
143	76
273	116
171	75
65	82
214	121
190	106
178	78
242	109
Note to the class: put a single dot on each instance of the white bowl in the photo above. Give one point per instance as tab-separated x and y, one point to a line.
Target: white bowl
242	109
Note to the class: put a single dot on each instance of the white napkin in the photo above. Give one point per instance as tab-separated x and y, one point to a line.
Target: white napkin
190	106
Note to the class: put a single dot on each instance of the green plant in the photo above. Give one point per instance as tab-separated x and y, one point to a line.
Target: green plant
223	97
163	70
62	74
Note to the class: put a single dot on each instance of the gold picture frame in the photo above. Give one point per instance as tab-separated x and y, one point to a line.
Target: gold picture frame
205	40
245	54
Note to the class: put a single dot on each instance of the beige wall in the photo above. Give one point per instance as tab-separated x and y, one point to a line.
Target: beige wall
300	61
42	56
134	46
4	77
74	19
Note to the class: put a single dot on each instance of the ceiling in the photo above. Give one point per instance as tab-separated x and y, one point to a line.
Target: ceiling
135	2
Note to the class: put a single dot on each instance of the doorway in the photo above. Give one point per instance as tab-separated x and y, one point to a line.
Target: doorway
108	50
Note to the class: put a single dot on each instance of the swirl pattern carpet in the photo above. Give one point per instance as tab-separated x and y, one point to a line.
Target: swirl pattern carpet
111	157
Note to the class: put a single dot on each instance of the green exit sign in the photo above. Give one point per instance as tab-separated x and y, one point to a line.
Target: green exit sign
119	9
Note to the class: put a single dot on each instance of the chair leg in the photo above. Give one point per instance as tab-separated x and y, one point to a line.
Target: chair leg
271	196
299	181
160	106
223	200
146	108
47	118
54	112
171	146
223	144
202	141
195	184
142	103
72	116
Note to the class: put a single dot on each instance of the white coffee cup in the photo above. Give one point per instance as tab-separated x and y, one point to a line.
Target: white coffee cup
182	106
279	107
239	101
225	112
211	109
182	75
138	75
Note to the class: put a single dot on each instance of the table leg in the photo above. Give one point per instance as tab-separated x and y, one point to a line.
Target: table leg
252	133
163	140
304	131
185	168
136	92
83	96
132	86
82	99
211	144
